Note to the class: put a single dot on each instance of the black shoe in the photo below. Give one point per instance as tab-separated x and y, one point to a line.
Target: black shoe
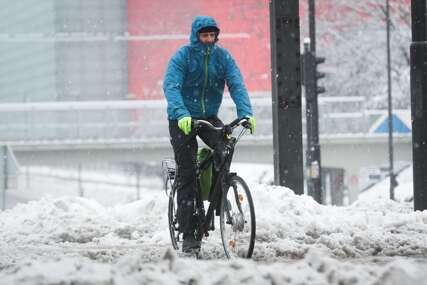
190	243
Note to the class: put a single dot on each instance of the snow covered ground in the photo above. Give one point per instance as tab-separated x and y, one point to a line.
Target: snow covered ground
72	240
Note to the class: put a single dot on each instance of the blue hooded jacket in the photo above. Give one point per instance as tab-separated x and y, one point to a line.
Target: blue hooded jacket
196	75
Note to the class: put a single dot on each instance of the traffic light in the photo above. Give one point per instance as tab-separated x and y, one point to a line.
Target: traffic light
319	75
309	72
313	160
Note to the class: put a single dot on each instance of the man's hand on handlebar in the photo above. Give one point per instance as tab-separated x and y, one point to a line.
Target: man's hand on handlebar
249	123
185	125
252	124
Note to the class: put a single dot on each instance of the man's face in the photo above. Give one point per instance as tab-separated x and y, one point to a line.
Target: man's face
207	37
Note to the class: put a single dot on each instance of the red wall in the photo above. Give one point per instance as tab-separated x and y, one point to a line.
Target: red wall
147	60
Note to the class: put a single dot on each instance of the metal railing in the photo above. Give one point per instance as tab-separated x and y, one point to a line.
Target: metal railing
83	178
146	120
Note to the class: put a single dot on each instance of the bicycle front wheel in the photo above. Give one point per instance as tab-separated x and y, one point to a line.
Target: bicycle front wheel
237	220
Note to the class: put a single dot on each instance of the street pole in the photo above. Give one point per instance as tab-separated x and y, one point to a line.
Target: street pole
390	107
80	180
138	180
314	186
286	94
312	24
3	175
313	162
419	102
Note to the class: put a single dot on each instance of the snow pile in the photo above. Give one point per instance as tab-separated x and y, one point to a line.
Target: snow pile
79	220
72	240
287	225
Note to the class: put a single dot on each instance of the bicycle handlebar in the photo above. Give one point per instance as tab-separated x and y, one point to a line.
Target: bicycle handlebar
237	122
199	123
226	129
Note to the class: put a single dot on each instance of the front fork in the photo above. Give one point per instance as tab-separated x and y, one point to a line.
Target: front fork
228	204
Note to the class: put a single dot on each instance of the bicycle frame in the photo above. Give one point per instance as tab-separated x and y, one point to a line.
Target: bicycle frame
221	182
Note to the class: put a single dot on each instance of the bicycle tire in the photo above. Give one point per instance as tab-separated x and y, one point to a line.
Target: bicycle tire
237	223
172	206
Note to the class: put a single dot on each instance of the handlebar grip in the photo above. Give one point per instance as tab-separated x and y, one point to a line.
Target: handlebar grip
239	121
235	122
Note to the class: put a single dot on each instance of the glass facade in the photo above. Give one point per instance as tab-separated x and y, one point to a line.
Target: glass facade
62	50
67	50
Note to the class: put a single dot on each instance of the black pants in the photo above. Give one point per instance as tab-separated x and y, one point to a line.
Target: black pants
185	151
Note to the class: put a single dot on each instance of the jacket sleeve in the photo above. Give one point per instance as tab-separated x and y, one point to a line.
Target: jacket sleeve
172	84
236	86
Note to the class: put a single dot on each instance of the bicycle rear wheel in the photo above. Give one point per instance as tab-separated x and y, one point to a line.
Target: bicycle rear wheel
172	207
237	220
169	173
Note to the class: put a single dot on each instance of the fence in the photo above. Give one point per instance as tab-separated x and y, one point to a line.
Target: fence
108	184
92	121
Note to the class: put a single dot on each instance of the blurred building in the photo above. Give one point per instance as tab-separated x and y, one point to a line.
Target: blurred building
62	50
76	50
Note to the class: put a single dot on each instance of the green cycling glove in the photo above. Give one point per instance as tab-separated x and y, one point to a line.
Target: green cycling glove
185	125
252	123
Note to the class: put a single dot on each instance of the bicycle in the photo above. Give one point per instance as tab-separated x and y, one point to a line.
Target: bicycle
229	191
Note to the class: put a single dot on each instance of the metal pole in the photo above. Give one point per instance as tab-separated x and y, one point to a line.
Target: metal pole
390	107
314	183
286	94
419	102
312	24
314	187
27	177
79	180
138	181
4	174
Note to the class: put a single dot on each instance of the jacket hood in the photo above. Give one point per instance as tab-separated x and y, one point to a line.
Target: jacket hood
198	23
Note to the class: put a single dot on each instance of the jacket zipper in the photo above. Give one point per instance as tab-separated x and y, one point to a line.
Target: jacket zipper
205	83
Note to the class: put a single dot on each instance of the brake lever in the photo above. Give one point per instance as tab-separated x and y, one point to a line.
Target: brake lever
246	124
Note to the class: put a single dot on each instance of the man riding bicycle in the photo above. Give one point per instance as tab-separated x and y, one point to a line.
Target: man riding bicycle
194	85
